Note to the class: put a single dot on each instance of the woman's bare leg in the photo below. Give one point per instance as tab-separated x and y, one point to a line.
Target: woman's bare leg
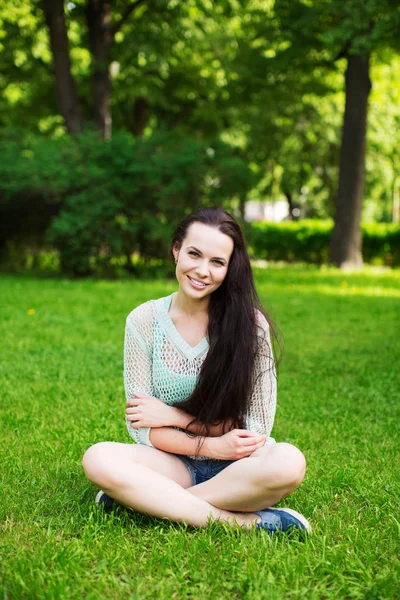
256	482
153	482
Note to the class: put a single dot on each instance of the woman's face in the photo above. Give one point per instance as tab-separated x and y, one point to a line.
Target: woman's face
202	260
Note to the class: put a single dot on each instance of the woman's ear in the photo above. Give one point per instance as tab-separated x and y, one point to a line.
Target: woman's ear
175	252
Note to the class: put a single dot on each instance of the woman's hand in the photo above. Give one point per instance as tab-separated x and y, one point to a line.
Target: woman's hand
146	411
237	444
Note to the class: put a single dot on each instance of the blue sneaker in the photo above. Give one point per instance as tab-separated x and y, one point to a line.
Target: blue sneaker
282	519
102	499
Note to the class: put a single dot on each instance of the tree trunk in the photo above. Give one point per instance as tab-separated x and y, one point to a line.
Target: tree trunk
289	199
140	116
345	247
98	17
242	207
67	99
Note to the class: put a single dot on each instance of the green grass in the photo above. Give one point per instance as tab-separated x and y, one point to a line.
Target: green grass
62	390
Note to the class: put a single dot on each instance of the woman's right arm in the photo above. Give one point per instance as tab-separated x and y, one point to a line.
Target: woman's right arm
238	443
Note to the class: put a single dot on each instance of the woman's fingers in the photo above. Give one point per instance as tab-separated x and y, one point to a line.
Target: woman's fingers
242	432
133	401
250	449
137	396
255	439
132	416
251	446
246	434
139	399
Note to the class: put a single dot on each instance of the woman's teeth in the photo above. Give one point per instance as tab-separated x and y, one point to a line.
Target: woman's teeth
197	283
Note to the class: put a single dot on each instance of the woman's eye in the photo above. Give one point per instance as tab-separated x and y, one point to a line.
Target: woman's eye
193	253
219	263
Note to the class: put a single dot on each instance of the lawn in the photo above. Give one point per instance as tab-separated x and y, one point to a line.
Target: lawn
338	400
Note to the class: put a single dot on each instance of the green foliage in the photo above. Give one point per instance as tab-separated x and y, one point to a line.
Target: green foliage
308	241
96	201
381	242
31	184
261	76
133	193
26	80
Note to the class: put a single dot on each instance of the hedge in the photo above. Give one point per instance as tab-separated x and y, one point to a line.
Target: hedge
308	241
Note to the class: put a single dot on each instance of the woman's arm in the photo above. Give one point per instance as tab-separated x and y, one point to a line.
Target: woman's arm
234	445
199	429
138	362
147	411
262	406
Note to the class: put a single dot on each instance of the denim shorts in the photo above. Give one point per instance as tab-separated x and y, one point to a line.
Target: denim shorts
203	470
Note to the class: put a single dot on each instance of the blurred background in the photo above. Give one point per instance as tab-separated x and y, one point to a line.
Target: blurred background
118	118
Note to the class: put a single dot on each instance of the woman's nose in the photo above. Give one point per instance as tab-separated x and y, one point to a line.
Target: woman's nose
202	269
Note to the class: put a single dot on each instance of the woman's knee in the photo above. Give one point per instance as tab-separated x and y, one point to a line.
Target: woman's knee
99	465
294	463
286	464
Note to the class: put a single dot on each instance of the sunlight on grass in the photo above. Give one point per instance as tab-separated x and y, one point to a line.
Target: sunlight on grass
349	290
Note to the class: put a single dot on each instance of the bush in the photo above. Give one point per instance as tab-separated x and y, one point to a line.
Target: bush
308	241
101	200
381	243
32	177
293	241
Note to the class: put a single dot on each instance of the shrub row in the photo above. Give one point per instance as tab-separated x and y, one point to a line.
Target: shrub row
111	206
308	241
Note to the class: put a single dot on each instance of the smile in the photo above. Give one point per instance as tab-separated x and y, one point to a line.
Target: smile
197	284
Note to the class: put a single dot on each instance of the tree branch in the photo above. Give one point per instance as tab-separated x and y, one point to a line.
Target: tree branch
127	13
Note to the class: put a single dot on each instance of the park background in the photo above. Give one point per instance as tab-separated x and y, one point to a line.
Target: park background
116	119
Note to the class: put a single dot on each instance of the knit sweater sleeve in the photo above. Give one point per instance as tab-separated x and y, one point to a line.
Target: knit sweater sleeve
261	412
138	361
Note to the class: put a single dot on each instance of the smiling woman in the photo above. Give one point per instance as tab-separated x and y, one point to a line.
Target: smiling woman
200	384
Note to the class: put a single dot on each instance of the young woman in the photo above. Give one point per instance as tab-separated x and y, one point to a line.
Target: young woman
201	396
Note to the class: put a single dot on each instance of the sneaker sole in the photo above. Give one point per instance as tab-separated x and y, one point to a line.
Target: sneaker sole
298	516
97	499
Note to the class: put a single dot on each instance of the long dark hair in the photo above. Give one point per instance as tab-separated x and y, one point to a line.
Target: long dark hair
225	381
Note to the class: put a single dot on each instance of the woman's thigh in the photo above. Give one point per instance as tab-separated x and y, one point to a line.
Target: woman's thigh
253	483
104	457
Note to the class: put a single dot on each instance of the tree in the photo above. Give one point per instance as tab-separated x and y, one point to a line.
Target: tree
326	32
101	31
27	78
346	243
67	99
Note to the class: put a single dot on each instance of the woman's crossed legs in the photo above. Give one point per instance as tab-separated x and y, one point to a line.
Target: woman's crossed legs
158	483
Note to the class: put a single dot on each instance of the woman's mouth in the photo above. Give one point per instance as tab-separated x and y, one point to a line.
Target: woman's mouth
197	284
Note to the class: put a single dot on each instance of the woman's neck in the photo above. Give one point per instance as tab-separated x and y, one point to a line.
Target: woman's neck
191	306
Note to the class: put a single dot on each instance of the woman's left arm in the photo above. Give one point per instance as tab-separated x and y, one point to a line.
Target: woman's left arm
262	406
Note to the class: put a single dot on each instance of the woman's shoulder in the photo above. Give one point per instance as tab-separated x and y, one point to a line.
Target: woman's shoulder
145	314
140	324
